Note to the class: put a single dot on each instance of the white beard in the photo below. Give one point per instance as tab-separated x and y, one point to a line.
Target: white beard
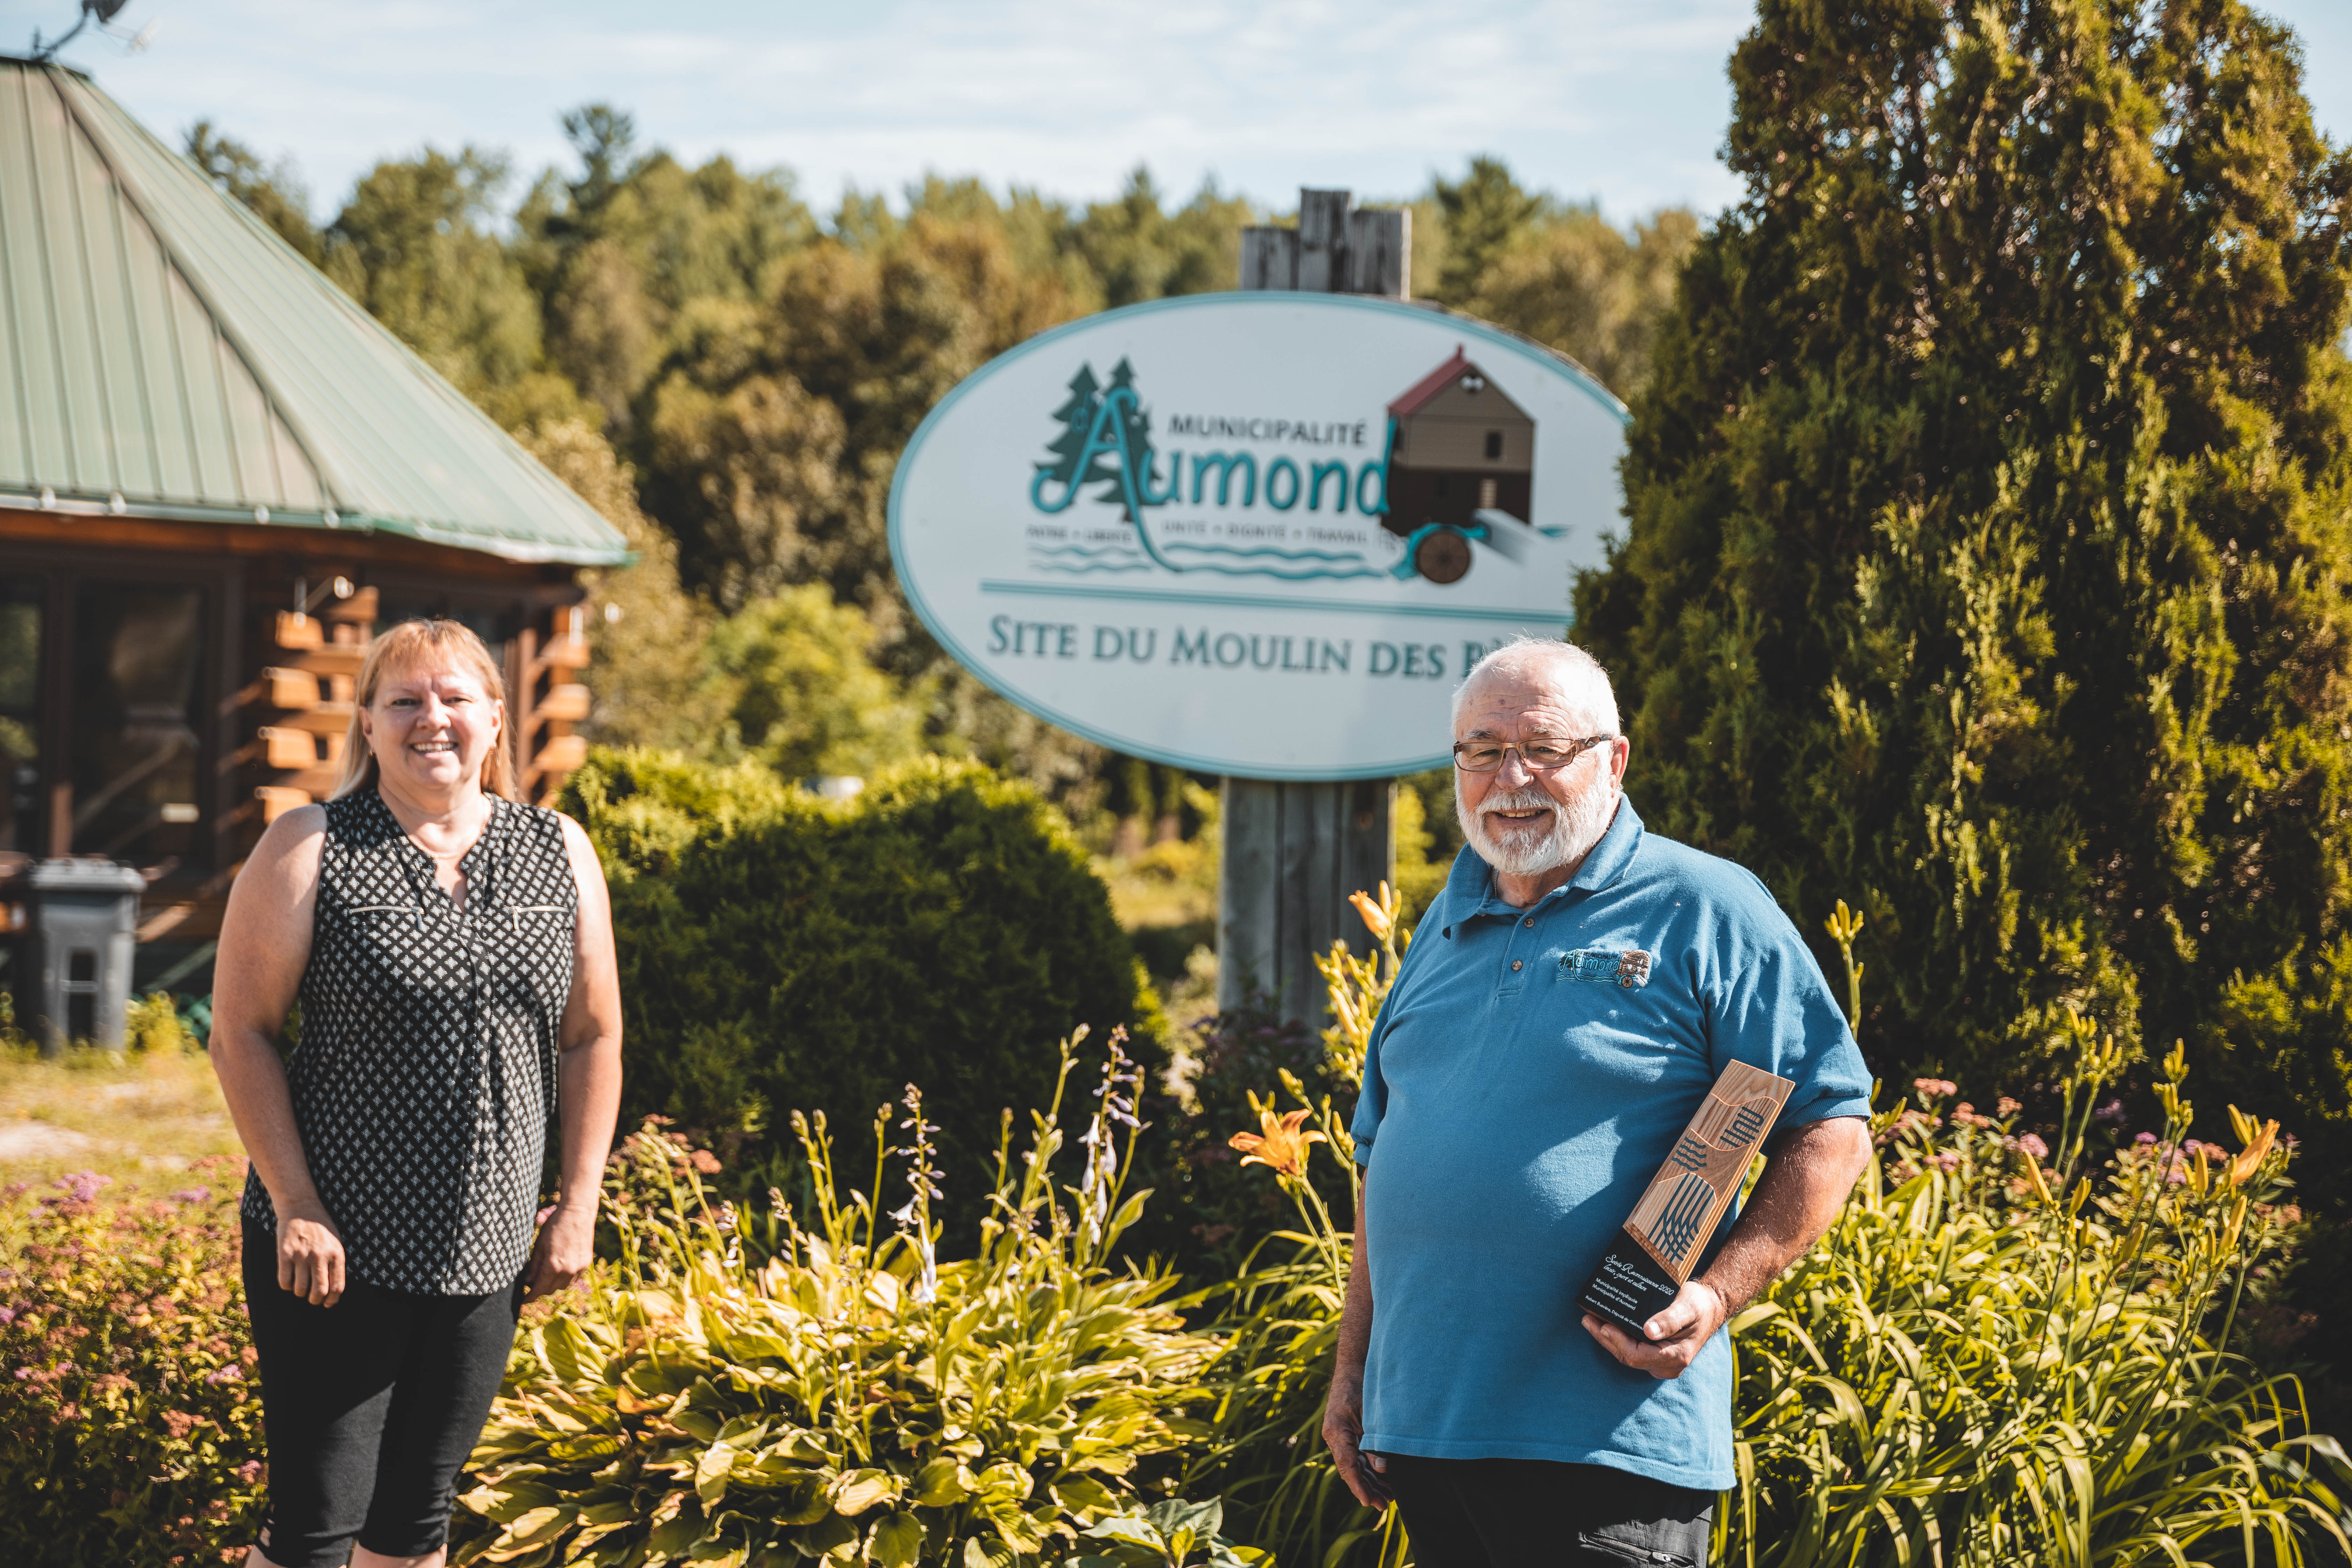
1576	825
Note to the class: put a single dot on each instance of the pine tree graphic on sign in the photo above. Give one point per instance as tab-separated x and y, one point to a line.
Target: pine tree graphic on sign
1077	419
1134	436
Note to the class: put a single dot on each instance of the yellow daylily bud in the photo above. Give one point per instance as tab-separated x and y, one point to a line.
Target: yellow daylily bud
2250	1159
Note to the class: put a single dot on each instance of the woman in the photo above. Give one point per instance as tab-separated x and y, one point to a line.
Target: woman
452	951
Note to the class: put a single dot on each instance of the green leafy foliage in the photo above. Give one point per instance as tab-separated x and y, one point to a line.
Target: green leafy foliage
129	1430
1988	540
153	1022
1169	1534
804	696
1207	1211
782	953
850	1398
1988	1367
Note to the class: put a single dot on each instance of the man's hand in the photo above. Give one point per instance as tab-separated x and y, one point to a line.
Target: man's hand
1343	1429
565	1247
1676	1335
311	1255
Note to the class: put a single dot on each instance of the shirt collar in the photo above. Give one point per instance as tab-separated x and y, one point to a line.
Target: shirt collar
1472	880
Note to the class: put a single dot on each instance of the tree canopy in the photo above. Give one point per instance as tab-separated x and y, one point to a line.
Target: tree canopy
731	375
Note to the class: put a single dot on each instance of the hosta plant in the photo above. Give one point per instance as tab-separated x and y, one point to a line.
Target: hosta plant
825	1388
1170	1534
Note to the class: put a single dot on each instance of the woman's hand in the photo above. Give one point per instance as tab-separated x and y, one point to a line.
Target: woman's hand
311	1255
566	1246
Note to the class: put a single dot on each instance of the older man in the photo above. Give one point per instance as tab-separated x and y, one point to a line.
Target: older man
1513	1110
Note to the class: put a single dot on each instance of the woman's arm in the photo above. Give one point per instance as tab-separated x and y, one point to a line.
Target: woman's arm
265	945
591	1080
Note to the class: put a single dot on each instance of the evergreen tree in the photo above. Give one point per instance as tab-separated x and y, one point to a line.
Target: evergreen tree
273	193
1989	540
1485	211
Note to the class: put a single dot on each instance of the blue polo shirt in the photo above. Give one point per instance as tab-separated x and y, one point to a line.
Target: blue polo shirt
1517	1098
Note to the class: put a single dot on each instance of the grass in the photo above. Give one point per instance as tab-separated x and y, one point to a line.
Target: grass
124	1115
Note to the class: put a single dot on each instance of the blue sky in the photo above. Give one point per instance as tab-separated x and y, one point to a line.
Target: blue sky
1622	102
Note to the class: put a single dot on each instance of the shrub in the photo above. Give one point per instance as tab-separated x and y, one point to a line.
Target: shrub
153	1022
1207	1213
850	1398
129	1433
783	952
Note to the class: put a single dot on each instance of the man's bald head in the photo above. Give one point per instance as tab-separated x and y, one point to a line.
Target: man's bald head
1582	685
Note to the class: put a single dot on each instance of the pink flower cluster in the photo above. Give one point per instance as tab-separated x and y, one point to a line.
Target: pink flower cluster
82	1187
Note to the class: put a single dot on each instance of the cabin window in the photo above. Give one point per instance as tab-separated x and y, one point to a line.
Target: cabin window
1494	445
22	601
138	655
1486	493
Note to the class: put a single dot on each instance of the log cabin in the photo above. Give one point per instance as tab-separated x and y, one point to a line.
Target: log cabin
218	477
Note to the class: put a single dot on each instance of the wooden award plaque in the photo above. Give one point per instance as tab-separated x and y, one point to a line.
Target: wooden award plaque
1679	1212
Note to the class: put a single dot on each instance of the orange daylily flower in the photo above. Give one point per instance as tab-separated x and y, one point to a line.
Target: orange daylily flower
1283	1146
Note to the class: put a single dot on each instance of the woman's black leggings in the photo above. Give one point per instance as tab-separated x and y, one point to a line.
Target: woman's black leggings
370	1407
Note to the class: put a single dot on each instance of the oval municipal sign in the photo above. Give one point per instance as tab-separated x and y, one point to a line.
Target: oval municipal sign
1259	534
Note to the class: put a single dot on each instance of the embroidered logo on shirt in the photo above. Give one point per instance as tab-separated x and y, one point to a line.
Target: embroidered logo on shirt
1603	967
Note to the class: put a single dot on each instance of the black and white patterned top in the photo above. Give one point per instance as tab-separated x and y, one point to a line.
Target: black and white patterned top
426	1080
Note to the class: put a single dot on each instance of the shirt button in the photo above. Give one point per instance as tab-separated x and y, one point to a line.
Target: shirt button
1528	921
1515	964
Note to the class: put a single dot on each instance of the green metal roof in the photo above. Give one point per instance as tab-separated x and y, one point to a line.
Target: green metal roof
163	353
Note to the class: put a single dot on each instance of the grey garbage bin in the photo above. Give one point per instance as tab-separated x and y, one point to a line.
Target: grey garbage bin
75	981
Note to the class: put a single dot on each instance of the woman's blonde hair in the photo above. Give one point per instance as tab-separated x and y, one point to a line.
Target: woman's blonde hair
427	644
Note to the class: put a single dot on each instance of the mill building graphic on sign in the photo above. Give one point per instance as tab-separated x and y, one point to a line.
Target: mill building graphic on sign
1462	460
1453	470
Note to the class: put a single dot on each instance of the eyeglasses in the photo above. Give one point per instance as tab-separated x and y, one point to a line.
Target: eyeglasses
1541	755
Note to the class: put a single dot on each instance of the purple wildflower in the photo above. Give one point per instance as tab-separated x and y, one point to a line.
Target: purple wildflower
82	1186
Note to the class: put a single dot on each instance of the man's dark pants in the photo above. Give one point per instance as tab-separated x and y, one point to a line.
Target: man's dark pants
1532	1513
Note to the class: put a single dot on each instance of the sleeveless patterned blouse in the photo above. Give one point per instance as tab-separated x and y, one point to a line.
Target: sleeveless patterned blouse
425	1081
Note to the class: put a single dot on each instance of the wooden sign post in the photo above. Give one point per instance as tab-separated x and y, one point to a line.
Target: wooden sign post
1292	852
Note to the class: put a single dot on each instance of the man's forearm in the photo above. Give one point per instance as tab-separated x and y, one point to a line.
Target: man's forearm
1803	1187
1356	1312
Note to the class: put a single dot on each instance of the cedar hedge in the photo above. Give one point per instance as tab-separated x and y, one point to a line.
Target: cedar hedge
782	953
